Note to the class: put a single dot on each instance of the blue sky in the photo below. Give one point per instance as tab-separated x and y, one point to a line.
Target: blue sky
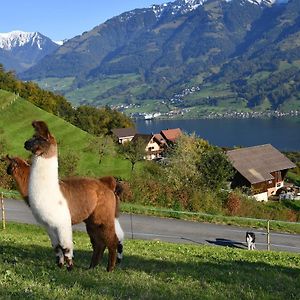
60	19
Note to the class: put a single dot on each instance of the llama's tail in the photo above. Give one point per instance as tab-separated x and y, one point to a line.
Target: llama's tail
120	236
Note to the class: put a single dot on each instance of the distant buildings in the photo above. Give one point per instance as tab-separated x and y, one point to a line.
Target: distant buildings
171	135
155	144
124	134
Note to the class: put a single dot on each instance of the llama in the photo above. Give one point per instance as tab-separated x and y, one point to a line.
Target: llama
47	203
47	194
19	169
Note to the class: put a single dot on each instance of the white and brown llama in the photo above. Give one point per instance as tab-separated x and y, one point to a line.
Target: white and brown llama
58	204
19	169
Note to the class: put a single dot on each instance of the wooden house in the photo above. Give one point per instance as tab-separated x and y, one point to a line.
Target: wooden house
123	135
171	135
261	168
153	145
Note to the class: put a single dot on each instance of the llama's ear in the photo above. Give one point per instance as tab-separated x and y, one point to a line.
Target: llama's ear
41	129
6	158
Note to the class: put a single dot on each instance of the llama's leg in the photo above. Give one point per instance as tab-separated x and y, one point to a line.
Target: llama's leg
55	245
111	242
64	233
120	252
95	233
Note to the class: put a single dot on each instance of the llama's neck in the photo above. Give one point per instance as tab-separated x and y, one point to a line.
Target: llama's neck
22	180
44	173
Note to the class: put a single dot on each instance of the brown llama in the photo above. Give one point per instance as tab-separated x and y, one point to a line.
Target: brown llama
19	169
89	200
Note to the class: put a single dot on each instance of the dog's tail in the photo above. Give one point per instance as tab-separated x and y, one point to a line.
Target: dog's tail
120	236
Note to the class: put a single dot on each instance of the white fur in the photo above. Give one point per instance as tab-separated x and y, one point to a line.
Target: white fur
250	243
48	205
119	230
120	235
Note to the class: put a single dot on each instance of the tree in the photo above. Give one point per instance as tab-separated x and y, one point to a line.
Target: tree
214	169
102	145
134	151
68	164
181	170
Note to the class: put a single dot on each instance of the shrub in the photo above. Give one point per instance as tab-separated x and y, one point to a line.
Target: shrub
233	203
68	164
6	181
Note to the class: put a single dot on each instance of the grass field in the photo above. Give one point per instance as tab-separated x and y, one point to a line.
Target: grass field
6	99
15	125
150	270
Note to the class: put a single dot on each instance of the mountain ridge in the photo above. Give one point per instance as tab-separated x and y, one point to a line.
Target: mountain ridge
178	45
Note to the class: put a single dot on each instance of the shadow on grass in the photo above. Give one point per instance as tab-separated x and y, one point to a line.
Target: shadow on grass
139	277
227	243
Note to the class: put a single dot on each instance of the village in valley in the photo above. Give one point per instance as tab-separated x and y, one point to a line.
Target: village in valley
261	169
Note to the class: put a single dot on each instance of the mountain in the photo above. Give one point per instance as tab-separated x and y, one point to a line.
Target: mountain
21	50
186	54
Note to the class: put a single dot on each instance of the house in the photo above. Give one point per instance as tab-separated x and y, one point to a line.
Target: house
171	135
153	146
124	134
261	168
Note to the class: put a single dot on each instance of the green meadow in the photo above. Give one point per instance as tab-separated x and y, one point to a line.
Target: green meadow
15	129
150	270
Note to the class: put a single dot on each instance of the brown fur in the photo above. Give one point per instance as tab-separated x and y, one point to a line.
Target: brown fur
90	200
81	205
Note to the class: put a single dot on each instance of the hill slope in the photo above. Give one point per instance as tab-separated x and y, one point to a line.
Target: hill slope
157	53
15	124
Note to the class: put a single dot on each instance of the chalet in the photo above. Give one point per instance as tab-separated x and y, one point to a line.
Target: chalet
171	135
124	134
261	168
153	145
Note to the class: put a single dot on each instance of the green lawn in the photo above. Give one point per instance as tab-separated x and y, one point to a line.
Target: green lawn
150	270
6	99
15	125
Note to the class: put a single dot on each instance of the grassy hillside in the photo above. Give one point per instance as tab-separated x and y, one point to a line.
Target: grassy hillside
150	270
6	98
15	124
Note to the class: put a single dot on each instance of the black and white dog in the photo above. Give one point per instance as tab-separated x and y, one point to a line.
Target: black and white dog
250	240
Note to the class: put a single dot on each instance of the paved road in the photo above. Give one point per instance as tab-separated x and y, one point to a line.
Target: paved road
177	231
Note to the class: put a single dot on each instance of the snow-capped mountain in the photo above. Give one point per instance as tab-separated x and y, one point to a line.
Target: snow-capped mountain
20	50
186	6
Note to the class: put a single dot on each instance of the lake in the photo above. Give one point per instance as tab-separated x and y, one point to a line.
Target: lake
282	133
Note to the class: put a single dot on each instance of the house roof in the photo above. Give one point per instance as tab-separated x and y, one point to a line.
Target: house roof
144	137
257	163
124	132
160	138
171	134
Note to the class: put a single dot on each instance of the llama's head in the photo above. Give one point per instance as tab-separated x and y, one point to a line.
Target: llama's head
15	165
42	143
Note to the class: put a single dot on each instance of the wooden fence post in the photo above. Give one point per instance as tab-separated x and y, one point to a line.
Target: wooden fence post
3	212
268	235
131	226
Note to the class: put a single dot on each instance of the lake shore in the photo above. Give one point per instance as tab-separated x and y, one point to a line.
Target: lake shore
282	133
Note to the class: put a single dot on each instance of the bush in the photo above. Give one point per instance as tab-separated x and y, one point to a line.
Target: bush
233	203
68	164
6	181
